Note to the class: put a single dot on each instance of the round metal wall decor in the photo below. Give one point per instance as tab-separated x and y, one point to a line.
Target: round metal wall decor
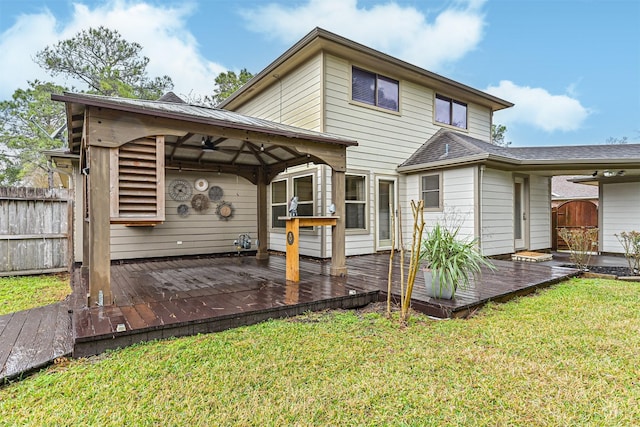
215	193
224	210
180	190
200	203
183	210
201	184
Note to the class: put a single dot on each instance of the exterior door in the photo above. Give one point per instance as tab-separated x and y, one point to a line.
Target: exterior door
520	214
385	208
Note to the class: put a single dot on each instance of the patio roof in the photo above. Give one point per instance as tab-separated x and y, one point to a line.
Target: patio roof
449	149
235	140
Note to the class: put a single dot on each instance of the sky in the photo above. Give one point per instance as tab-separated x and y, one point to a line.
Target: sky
571	67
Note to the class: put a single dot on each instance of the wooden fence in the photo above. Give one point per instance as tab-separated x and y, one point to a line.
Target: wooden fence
35	230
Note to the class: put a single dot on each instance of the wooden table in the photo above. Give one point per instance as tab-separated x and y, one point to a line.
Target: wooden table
293	242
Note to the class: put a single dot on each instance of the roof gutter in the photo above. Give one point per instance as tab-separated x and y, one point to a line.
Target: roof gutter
460	161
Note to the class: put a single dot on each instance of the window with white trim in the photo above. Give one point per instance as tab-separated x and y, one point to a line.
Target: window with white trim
355	202
278	202
374	89
451	112
303	189
431	188
284	190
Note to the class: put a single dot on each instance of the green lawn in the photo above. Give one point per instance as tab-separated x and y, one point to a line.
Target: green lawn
24	292
569	355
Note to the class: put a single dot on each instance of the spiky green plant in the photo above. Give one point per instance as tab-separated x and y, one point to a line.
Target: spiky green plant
453	260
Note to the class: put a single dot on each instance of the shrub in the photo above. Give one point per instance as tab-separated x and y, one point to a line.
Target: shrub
630	241
581	242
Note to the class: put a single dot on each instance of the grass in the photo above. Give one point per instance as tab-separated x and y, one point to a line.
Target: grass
566	356
24	292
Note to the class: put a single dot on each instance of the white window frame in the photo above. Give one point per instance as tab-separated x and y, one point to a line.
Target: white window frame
364	202
273	204
290	179
440	192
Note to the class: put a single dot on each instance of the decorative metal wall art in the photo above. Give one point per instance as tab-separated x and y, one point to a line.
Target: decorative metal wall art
180	190
183	210
224	210
201	184
200	203
215	193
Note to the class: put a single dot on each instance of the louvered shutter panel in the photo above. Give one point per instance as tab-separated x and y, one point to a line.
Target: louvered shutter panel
137	190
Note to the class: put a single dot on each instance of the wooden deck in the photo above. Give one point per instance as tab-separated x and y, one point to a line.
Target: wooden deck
159	299
31	339
178	297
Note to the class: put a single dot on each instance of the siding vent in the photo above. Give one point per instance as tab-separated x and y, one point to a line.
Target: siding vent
446	151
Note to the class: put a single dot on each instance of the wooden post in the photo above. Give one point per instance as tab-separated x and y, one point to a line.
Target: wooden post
262	252
338	260
293	249
293	239
99	227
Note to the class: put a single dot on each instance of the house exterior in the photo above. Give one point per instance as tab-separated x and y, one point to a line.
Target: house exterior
331	84
335	124
420	135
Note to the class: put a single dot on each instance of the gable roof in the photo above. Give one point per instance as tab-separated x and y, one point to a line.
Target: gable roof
447	148
320	40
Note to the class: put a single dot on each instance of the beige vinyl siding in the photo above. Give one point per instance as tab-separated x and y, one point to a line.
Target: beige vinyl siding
620	204
539	212
496	206
200	233
385	139
458	187
458	196
409	190
293	99
479	122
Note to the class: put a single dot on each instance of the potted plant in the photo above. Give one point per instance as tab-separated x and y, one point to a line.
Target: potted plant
449	261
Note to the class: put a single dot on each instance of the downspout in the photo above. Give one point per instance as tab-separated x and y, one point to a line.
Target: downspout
600	218
480	206
323	210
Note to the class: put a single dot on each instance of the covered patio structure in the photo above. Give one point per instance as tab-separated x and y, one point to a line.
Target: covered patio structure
126	146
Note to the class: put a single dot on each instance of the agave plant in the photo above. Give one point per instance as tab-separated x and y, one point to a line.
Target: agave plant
452	260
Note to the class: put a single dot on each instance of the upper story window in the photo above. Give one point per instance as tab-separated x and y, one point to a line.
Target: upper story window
451	112
374	89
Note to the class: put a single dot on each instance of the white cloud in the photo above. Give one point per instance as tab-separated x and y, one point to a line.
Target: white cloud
401	31
161	30
18	45
538	108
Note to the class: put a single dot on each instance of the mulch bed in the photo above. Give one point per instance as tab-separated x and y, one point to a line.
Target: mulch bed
614	271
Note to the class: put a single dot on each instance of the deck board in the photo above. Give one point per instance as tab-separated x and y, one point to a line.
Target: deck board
34	338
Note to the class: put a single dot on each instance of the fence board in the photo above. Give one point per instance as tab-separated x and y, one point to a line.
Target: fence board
35	230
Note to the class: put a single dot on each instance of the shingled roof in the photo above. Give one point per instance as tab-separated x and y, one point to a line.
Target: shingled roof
448	148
